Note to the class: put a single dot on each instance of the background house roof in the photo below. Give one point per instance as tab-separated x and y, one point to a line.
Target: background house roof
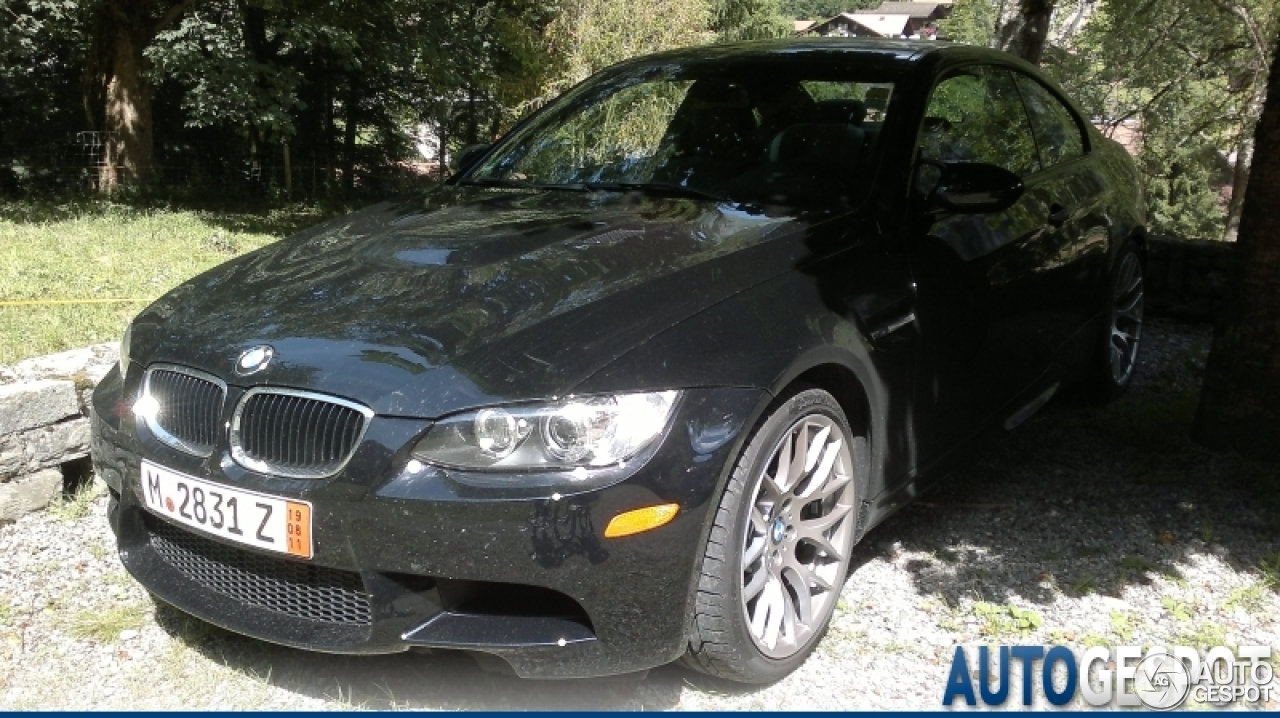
885	25
911	9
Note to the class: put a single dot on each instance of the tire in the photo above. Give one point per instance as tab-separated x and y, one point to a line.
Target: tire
772	537
1117	354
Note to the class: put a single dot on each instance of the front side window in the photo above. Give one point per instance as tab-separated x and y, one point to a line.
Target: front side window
977	116
1055	127
777	132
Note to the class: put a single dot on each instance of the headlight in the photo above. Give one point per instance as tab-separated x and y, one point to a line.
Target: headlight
124	350
579	431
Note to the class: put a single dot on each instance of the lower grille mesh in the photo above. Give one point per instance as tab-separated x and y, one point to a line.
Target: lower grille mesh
297	589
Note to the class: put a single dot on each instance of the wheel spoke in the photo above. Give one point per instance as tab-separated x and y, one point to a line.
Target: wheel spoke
822	523
757	582
1135	279
836	484
803	599
819	539
797	609
823	473
767	622
786	481
754	551
783	470
1126	305
814	450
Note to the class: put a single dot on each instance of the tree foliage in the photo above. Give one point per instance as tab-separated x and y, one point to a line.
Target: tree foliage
734	20
589	35
972	22
822	9
1183	77
43	47
1187	75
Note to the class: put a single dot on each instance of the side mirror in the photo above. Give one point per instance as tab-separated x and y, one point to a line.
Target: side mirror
467	156
973	187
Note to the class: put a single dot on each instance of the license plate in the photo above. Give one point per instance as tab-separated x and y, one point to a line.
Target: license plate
247	517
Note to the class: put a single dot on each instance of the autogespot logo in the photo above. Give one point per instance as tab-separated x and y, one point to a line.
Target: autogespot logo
1122	676
1161	682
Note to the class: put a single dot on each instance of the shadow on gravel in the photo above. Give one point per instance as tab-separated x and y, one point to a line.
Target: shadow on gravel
1084	499
447	680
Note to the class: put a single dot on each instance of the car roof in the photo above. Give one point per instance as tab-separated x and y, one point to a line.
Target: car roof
812	47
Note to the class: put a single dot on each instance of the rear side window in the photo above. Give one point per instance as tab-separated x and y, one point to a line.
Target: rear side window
977	116
1057	132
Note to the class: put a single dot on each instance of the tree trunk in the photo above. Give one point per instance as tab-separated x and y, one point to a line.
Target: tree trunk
1244	153
1240	402
121	34
349	137
127	119
1026	33
1239	186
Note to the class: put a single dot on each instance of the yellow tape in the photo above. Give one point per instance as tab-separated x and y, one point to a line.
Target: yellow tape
33	302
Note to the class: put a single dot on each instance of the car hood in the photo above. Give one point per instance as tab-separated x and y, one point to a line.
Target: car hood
467	297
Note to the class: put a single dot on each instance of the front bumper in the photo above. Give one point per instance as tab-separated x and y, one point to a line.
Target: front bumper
525	575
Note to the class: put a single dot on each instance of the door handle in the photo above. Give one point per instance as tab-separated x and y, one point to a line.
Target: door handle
1058	215
891	326
881	316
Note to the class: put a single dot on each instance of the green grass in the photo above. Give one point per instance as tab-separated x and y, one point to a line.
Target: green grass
998	620
1176	609
105	625
1269	567
78	505
90	249
1252	598
1202	637
1123	625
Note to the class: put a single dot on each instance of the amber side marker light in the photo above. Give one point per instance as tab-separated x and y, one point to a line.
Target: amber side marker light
640	520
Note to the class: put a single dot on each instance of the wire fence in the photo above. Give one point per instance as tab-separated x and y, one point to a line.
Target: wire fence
79	164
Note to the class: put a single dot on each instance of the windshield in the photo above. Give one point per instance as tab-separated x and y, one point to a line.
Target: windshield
785	132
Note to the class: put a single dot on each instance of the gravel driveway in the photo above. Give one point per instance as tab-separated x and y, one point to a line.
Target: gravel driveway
1084	527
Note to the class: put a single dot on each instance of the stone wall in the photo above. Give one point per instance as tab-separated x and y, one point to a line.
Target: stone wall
44	425
1186	278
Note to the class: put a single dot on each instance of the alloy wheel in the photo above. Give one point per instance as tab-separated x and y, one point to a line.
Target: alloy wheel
1126	318
798	536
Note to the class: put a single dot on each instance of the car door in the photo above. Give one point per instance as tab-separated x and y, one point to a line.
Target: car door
1072	267
976	288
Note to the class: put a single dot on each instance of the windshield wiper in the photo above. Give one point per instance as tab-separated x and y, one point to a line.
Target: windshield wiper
651	187
495	182
654	187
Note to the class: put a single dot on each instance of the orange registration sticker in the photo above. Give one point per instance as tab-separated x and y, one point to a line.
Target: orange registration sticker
298	529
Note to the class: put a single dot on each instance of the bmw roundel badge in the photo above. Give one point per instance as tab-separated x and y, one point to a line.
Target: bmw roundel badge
254	359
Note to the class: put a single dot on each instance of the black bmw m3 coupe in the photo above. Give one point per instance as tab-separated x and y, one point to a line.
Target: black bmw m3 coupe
629	388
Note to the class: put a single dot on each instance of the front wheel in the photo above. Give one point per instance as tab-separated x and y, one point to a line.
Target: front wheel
779	550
